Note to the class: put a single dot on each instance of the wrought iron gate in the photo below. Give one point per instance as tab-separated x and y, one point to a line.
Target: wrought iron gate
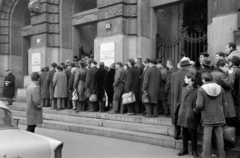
191	44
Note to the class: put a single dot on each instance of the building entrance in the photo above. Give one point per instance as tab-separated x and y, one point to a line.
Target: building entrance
182	30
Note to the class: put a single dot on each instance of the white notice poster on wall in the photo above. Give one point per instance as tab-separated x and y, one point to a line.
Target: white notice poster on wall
107	53
36	62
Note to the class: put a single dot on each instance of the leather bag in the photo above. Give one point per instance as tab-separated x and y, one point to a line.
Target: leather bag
145	98
93	97
74	95
229	134
128	98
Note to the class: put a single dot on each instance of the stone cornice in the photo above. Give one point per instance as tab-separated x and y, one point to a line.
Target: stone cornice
117	10
85	17
26	31
105	3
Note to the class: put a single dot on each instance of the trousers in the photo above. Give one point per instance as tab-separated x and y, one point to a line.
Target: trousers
117	96
186	133
31	128
152	109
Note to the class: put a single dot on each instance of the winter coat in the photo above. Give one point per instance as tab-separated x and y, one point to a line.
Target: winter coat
9	89
44	87
226	82
120	76
141	82
236	87
80	82
168	84
186	117
71	85
132	81
50	82
60	84
140	67
177	82
101	73
108	85
91	79
34	107
68	74
151	84
233	53
162	95
212	103
199	76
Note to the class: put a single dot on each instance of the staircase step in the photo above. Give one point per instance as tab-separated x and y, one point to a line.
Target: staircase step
146	128
154	139
117	117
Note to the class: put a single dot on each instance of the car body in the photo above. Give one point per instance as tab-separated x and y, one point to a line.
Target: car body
16	143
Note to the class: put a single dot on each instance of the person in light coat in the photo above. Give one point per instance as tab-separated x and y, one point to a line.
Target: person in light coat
60	84
34	106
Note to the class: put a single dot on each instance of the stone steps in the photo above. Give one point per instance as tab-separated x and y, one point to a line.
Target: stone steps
155	131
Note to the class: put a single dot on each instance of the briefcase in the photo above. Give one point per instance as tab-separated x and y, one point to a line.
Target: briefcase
229	134
93	97
128	98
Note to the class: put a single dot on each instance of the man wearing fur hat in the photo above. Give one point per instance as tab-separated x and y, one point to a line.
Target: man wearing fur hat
44	87
60	84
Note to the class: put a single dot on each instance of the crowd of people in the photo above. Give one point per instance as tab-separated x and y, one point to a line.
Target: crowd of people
208	95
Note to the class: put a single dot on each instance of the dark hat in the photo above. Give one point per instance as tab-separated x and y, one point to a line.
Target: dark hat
46	68
204	54
59	68
235	60
75	57
131	61
154	61
206	62
221	53
94	62
54	65
8	70
101	64
113	65
185	63
35	76
147	60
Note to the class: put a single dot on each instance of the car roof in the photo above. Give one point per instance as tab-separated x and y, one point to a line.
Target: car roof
3	106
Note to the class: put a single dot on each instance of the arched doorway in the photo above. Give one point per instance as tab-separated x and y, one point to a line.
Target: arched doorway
19	45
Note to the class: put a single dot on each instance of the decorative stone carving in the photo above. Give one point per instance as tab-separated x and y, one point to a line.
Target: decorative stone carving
118	10
104	3
33	6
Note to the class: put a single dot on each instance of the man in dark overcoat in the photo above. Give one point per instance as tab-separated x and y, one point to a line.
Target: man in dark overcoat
91	83
163	108
68	74
172	69
225	78
118	86
177	82
139	65
9	86
108	85
151	86
44	88
206	67
131	85
50	85
234	64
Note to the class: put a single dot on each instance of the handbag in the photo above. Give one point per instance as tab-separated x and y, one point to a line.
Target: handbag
93	97
74	95
128	98
229	135
145	98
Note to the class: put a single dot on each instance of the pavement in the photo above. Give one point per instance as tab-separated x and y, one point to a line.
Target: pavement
77	145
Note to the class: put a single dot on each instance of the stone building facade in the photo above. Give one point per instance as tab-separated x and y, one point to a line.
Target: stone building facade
57	30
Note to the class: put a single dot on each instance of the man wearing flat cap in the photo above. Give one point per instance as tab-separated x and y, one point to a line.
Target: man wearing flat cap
50	85
44	87
9	86
177	82
234	64
151	86
118	86
91	84
206	67
60	85
131	85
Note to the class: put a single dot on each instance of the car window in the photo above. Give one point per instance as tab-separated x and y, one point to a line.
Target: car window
6	120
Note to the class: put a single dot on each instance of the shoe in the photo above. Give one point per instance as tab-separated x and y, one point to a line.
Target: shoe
183	152
74	108
112	112
195	154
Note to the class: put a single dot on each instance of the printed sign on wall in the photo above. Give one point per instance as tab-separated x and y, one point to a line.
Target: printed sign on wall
107	53
36	62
